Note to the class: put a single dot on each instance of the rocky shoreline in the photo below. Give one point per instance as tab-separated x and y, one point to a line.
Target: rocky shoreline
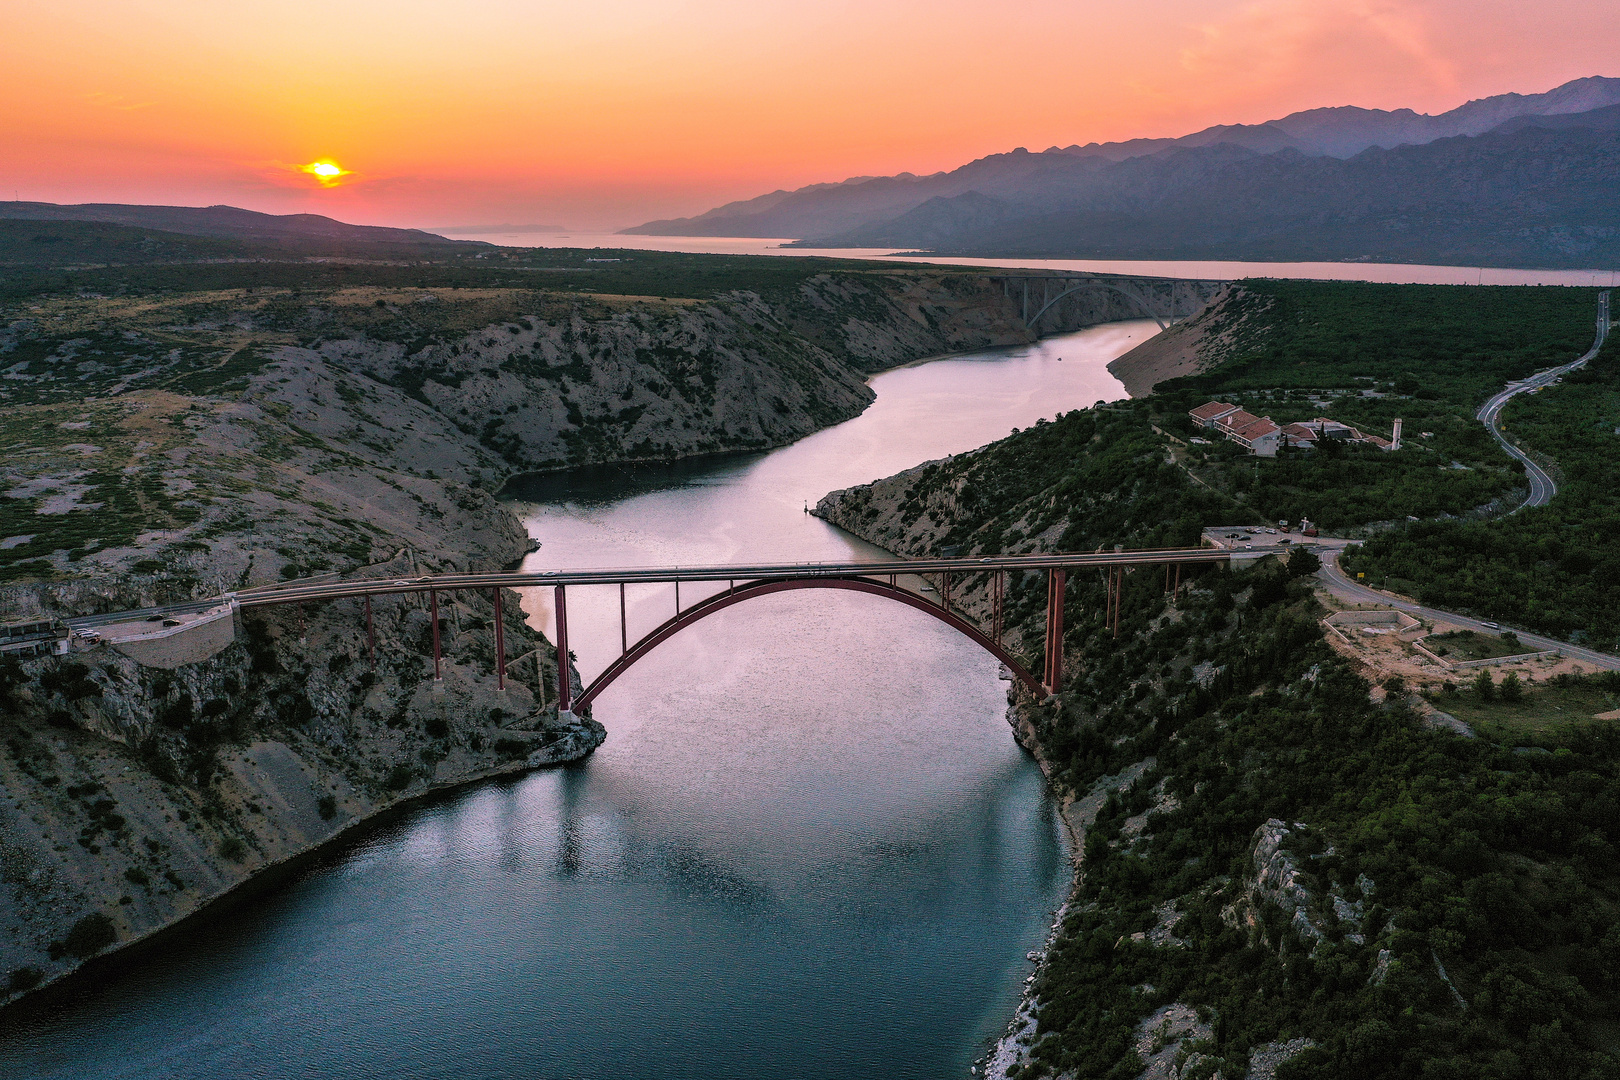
579	739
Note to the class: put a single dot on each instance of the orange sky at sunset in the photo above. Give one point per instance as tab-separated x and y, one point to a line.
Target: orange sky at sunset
605	114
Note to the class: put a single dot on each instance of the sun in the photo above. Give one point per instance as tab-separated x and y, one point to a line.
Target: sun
327	171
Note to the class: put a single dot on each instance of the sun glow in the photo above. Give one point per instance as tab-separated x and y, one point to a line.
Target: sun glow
328	172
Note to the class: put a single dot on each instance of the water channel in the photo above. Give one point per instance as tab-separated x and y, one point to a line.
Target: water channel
808	849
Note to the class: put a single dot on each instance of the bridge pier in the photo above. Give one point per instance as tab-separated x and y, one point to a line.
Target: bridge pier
500	644
371	636
433	601
1053	671
565	687
995	606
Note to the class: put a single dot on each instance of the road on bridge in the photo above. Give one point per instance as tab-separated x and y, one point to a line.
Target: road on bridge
1542	488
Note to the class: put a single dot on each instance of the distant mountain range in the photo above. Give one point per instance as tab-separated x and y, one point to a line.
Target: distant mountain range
227	223
1526	180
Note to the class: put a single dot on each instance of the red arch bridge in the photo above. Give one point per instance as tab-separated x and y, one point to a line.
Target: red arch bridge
746	582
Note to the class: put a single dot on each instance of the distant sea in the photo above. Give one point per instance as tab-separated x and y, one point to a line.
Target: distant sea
1393	273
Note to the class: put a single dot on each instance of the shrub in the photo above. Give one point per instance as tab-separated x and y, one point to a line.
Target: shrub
1511	689
136	876
327	806
437	728
24	978
72	681
399	778
89	936
1395	686
233	849
1483	686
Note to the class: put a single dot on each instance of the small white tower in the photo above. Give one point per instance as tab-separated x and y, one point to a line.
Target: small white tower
1396	444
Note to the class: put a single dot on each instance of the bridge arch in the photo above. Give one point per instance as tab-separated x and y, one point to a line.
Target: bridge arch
752	590
1129	294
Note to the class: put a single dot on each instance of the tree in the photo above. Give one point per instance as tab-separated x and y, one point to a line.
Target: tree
1512	690
1303	561
1483	686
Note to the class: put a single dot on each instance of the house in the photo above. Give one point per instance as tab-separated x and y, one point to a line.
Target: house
1311	432
1208	415
1261	437
1235	421
1298	435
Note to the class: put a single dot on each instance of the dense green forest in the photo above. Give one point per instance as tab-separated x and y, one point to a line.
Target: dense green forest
1367	354
1460	855
1554	568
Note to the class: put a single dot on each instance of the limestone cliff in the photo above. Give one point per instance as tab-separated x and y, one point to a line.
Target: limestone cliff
1189	347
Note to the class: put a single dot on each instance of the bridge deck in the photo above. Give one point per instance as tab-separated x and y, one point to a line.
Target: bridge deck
294	592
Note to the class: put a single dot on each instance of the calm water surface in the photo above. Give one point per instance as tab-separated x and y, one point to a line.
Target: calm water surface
809	847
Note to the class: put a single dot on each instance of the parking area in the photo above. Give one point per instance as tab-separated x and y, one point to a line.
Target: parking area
1254	540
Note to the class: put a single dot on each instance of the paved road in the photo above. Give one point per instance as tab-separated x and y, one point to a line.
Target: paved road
1542	488
300	591
1340	585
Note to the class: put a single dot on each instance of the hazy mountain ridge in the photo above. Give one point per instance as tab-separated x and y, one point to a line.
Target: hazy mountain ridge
906	210
1539	196
225	222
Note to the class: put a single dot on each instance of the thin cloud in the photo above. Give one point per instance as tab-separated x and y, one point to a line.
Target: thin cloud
115	101
1272	43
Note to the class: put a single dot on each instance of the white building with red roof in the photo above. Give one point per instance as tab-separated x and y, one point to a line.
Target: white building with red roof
1209	415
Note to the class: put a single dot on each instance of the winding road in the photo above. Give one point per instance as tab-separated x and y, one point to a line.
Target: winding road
1542	488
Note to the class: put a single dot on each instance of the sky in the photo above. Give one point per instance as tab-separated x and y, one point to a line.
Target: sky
606	113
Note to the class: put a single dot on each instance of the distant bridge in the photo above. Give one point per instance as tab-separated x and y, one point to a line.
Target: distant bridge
1164	300
747	582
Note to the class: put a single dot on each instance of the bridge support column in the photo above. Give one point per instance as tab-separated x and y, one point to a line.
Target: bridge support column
500	644
565	687
1116	583
1054	631
995	606
371	636
433	603
624	633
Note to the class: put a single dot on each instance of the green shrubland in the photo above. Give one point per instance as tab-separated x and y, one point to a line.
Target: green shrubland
1554	568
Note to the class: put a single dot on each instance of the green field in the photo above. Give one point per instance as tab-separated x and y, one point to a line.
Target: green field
1545	715
1469	645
